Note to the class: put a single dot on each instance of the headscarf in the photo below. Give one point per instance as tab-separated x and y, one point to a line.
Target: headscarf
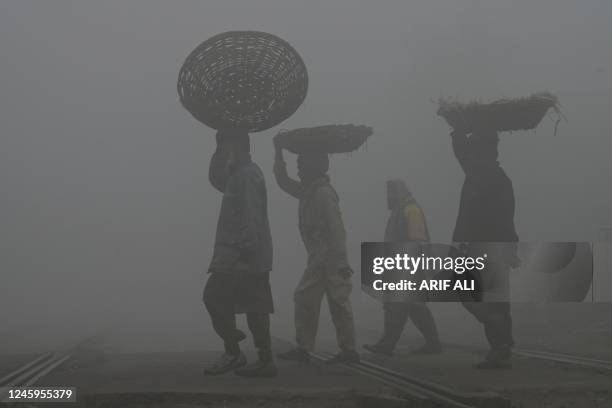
401	190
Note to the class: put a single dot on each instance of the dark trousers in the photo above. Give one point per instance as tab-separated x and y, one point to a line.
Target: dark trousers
397	313
494	315
220	298
497	321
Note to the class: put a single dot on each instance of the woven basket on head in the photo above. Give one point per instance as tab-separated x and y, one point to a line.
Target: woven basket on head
245	80
327	139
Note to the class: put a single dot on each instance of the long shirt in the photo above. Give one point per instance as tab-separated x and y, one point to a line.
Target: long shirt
320	220
243	242
486	208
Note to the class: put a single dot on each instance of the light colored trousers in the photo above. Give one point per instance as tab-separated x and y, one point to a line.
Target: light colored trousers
308	297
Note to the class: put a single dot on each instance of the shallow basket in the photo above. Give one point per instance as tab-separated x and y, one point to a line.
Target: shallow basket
327	139
501	115
245	80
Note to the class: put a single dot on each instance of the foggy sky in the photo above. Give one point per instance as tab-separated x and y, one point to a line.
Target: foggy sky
107	214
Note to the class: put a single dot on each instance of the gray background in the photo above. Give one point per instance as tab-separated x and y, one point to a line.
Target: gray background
107	216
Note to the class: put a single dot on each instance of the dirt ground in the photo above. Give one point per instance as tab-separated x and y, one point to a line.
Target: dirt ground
562	398
176	380
189	400
537	398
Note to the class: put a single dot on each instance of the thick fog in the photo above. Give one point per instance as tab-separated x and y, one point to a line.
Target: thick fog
108	218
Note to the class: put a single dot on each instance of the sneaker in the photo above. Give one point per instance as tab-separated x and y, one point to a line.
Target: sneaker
379	348
226	363
258	369
428	349
297	354
345	357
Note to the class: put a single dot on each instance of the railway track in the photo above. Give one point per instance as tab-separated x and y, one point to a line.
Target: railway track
427	392
422	392
29	374
33	371
585	362
570	359
418	390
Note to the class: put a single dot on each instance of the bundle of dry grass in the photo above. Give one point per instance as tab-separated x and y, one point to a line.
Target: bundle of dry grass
501	115
328	139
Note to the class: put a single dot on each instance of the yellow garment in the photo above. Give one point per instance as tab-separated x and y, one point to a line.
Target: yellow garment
417	231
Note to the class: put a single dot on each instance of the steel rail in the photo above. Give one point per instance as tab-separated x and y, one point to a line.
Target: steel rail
412	388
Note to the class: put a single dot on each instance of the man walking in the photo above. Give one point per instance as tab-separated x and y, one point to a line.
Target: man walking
485	224
327	272
239	272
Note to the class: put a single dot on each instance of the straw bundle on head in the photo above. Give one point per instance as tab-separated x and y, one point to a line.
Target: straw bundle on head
243	79
501	115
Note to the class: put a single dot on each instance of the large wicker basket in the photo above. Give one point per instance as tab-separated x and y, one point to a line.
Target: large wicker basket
245	80
327	139
501	115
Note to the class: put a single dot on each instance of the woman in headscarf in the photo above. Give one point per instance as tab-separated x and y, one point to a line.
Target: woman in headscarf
406	223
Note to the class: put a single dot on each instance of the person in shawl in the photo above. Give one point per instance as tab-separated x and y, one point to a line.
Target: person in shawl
406	223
